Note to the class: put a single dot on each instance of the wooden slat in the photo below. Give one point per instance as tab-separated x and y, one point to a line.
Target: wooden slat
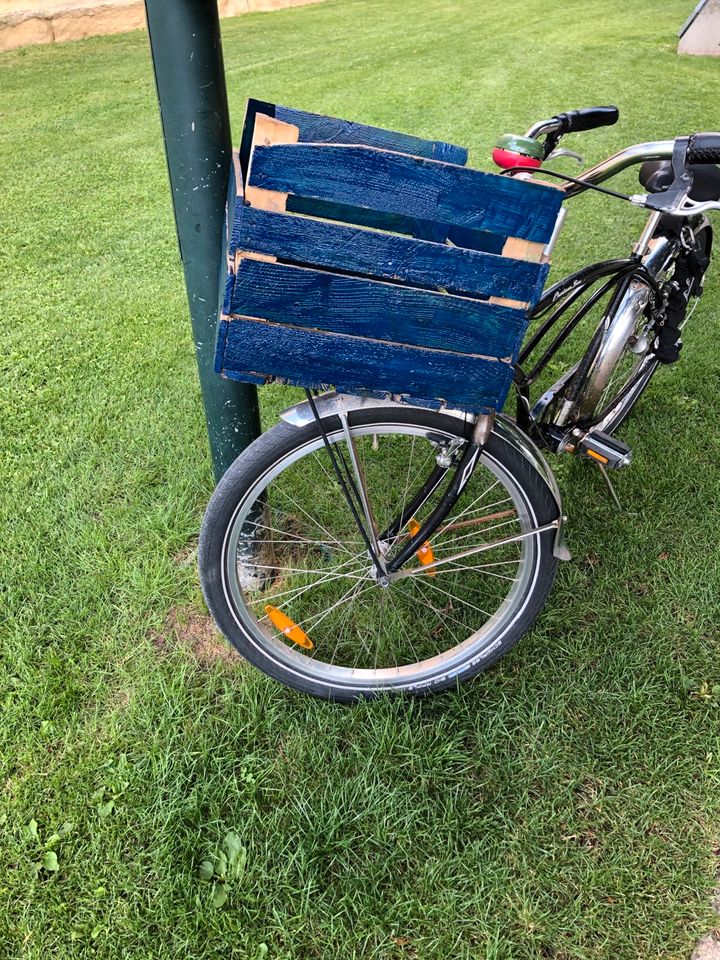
337	303
318	359
384	255
413	226
398	184
315	128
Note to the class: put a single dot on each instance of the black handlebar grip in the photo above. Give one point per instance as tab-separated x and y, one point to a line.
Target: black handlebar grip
587	119
704	148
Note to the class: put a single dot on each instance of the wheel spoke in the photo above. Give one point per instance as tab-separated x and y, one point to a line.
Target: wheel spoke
322	576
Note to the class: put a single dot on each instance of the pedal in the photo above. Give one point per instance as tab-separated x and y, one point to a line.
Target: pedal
607	451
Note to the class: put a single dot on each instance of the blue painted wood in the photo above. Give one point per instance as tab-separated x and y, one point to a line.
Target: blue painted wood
409	186
220	357
316	128
414	227
316	359
384	255
337	303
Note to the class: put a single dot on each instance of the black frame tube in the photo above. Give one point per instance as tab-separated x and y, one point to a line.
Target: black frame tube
190	79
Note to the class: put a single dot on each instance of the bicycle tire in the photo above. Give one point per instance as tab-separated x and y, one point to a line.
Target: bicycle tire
284	446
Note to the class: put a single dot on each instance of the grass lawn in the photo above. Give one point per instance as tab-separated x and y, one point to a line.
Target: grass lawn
565	804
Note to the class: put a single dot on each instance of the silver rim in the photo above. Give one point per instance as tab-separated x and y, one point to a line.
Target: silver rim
640	374
310	563
622	354
616	414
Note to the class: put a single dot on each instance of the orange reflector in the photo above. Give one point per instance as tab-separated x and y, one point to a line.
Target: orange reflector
288	627
425	554
597	456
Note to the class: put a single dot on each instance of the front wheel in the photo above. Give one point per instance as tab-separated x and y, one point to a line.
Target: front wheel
288	578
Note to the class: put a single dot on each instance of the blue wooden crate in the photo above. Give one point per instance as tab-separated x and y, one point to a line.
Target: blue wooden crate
373	261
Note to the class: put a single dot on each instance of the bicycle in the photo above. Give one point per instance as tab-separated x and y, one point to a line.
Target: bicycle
361	546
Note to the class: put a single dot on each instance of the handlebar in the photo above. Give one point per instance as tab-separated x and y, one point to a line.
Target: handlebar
638	153
588	118
574	121
683	152
704	148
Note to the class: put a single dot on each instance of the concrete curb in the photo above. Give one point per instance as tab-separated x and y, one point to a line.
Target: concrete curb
25	22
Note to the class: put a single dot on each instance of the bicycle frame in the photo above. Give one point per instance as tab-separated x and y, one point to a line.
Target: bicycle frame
635	289
617	274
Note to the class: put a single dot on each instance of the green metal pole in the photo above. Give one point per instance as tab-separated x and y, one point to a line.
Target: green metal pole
190	80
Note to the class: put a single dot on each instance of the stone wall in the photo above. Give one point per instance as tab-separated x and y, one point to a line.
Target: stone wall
23	22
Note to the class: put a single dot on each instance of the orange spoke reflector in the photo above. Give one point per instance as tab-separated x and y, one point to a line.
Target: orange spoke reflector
288	627
425	554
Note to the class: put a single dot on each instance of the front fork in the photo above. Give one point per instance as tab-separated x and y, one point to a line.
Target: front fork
321	407
463	472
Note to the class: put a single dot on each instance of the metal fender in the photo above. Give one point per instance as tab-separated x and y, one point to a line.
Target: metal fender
331	404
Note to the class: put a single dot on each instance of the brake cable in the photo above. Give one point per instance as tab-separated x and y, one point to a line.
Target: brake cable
565	176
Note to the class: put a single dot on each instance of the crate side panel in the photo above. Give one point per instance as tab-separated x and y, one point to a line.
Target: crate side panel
398	184
386	256
314	358
337	303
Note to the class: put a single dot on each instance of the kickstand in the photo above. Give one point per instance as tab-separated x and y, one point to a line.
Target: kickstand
610	487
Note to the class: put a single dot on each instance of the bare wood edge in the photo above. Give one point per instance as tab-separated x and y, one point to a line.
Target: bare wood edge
506	302
517	249
268	132
251	255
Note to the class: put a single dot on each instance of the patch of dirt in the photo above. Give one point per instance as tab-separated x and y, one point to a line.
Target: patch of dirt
194	631
120	700
187	556
708	948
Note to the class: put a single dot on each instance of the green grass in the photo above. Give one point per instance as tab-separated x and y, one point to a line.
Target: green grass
564	805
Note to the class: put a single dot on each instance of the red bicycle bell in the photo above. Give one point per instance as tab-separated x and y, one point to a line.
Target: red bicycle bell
513	151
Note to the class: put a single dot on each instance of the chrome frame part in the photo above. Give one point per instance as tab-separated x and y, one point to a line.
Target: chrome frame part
360	481
638	153
620	327
543	127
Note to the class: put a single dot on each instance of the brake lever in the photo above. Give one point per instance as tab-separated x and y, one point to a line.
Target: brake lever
675	199
564	152
686	207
